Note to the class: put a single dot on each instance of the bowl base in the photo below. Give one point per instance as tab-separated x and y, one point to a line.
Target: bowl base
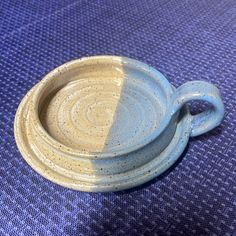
106	182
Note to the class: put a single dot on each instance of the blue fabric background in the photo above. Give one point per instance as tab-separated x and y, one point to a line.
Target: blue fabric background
186	40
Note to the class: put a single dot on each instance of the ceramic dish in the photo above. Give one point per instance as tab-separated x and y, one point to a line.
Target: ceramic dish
108	123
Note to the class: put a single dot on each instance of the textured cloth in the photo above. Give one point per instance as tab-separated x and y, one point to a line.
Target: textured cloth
185	40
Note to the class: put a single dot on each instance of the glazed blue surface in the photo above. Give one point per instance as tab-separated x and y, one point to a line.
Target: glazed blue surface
142	111
200	90
190	40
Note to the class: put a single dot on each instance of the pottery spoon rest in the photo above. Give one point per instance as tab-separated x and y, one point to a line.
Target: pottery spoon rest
109	123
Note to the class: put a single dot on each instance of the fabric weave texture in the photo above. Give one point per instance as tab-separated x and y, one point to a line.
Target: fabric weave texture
185	40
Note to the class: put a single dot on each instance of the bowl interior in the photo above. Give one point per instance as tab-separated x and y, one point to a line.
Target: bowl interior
104	105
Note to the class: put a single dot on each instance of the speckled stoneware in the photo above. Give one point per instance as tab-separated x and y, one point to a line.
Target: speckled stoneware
108	123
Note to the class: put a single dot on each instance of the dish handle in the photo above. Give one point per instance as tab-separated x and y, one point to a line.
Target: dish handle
200	90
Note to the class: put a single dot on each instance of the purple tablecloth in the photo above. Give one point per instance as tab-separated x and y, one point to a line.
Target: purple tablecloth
186	40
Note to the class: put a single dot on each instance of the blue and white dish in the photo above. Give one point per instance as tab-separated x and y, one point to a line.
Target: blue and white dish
108	123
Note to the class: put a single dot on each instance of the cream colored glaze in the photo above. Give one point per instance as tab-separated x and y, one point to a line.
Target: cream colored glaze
81	114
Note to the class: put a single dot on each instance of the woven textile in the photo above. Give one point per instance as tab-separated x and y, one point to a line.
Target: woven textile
185	40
